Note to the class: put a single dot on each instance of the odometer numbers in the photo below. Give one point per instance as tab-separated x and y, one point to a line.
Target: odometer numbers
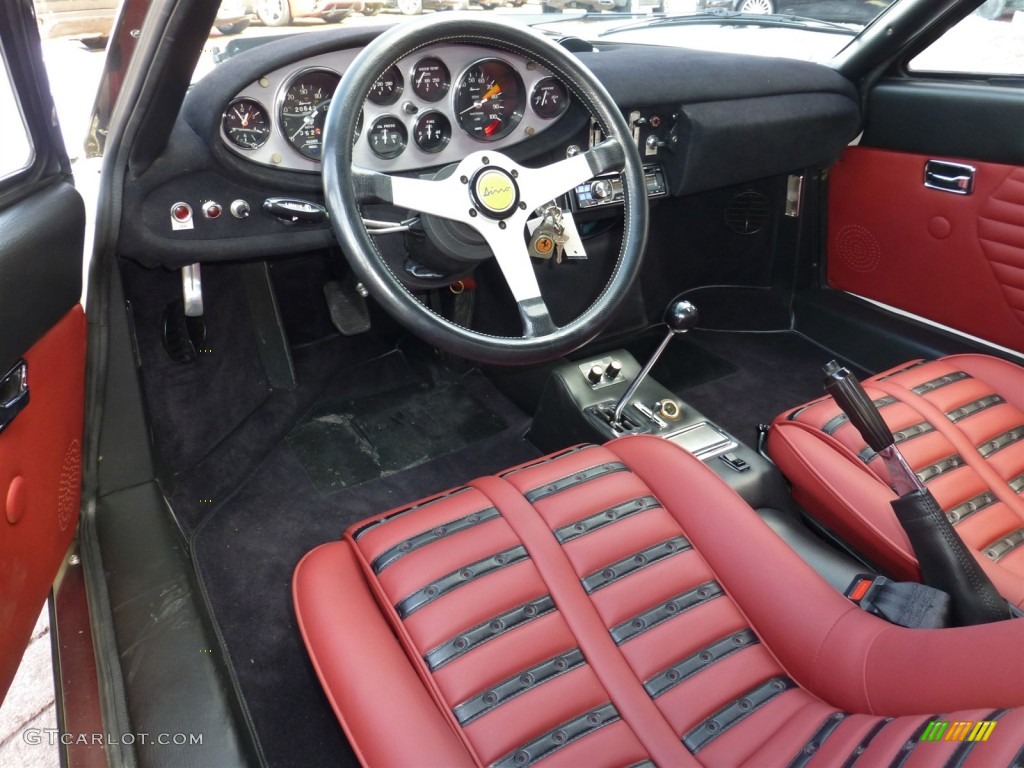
304	110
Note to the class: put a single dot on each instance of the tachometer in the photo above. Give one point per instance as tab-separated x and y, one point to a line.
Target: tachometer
246	124
304	109
489	100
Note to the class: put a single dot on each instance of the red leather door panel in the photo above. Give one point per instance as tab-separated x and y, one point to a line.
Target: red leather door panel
40	477
955	259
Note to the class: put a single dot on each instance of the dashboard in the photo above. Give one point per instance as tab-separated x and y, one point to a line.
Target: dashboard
427	109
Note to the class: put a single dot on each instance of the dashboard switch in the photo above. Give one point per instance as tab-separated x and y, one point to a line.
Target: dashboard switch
212	210
181	216
240	209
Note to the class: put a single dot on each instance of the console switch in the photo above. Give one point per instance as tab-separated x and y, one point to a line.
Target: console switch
734	462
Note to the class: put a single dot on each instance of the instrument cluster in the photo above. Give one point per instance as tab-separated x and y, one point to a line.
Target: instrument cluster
430	108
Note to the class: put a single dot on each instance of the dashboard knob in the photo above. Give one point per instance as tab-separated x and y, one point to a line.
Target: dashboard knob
240	209
601	189
596	373
613	369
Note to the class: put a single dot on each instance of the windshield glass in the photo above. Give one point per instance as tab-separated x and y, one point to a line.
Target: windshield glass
813	30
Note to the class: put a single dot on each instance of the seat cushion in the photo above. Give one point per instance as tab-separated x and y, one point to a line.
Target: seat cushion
621	605
959	421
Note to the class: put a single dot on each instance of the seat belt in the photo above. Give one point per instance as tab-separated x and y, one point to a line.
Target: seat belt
901	602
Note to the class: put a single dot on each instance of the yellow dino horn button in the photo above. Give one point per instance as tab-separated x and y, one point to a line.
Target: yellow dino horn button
495	193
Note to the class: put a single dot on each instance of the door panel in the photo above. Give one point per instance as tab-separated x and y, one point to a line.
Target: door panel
42	332
955	259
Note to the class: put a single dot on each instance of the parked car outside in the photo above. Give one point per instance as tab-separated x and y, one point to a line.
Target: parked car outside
93	19
281	13
625	6
841	11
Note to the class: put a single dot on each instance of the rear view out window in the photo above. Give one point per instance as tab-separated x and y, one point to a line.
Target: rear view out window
16	152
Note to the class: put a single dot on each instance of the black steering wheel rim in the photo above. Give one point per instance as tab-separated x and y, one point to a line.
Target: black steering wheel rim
345	186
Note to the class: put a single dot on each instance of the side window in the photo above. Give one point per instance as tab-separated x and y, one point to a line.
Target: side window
988	42
18	151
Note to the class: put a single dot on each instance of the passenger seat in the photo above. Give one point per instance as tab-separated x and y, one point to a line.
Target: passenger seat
959	421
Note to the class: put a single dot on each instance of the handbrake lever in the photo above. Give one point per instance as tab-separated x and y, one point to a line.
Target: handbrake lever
850	396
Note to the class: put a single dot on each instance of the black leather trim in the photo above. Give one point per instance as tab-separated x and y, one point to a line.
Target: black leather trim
672	607
959	757
973	407
520	683
404	511
995	444
392	554
536	750
814	743
1000	548
865	742
830	426
612	572
470	638
948	464
605	517
945	561
908	746
563	483
682	670
457	578
547	460
41	264
536	320
734	713
1018	759
967	508
939	382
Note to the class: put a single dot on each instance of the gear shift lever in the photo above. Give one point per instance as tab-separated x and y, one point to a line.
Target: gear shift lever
680	317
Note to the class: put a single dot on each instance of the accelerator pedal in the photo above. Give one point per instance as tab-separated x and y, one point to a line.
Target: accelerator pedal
346	301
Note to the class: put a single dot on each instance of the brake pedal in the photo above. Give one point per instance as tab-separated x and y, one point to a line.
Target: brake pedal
346	302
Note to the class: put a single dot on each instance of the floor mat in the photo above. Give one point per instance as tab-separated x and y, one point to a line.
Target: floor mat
246	551
345	443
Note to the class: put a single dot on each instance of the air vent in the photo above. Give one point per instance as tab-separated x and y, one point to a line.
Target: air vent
747	214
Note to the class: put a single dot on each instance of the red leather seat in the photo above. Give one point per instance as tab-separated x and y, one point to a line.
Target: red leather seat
959	421
621	606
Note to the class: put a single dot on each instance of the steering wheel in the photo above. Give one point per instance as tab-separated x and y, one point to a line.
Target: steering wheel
487	191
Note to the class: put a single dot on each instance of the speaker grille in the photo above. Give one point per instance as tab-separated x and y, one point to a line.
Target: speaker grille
748	213
858	249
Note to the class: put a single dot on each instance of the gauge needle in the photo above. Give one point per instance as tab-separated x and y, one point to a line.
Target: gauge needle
491	92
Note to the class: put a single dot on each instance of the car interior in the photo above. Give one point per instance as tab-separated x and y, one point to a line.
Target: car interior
354	491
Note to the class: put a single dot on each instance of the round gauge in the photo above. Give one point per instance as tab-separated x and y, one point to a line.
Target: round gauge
433	131
549	99
246	124
304	110
430	79
388	87
387	137
489	100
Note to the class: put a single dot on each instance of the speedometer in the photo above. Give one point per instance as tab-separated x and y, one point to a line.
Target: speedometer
489	100
304	110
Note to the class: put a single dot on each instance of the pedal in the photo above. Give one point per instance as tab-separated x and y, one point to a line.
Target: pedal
346	302
182	335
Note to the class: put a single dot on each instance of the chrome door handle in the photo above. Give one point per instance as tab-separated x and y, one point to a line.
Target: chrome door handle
949	177
13	393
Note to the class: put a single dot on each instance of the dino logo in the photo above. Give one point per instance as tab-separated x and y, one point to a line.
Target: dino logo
495	191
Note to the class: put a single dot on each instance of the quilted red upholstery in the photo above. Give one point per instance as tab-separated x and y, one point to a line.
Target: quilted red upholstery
959	421
621	606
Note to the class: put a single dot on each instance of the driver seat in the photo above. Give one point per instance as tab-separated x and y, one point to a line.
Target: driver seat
622	606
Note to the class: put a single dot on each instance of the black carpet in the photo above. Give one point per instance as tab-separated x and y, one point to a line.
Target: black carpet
247	549
772	372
